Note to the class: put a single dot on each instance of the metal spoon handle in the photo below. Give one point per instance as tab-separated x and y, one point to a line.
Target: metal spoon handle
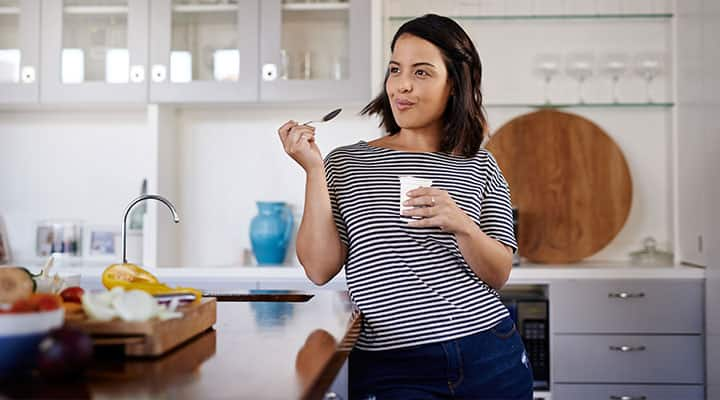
327	117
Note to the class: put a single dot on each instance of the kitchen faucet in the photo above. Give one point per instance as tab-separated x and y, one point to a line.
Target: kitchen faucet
127	212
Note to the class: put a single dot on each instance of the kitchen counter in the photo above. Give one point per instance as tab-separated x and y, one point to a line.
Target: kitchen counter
256	345
293	277
258	350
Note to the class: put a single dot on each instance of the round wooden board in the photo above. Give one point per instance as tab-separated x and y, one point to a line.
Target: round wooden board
569	180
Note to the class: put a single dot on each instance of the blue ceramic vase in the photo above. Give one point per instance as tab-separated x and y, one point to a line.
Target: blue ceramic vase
270	232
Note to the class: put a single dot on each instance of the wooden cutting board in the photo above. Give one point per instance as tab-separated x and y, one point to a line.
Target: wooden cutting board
108	374
153	337
569	180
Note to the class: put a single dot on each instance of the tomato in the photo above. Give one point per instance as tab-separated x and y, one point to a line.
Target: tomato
47	303
72	294
22	306
36	302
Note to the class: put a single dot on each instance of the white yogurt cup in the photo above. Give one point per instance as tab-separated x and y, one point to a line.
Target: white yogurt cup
408	183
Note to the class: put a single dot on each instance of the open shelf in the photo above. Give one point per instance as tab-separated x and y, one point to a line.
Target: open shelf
580	105
649	16
95	10
191	8
333	6
204	8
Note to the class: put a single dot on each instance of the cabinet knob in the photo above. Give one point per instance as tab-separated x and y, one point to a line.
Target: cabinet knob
626	295
27	74
137	74
269	72
628	398
159	73
626	349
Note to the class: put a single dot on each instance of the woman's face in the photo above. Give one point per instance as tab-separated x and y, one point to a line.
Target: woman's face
417	83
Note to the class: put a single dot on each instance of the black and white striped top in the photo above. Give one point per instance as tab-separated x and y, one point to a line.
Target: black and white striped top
412	284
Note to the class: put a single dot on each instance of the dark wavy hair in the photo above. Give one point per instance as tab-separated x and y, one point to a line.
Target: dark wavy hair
464	120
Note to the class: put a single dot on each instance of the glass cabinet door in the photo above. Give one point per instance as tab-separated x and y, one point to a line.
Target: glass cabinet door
19	50
315	50
204	51
95	50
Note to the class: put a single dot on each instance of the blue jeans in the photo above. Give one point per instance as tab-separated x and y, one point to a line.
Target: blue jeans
491	364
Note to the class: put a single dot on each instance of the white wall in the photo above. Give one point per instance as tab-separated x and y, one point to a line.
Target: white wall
699	191
231	158
68	164
644	136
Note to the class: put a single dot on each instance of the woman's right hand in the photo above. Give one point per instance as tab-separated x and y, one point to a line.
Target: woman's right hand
299	143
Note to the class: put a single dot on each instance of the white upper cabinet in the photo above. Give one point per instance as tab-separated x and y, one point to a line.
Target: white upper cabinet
19	50
203	51
184	51
94	51
314	50
259	51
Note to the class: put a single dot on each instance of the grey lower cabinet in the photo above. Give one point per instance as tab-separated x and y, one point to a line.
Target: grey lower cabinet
627	392
636	339
630	358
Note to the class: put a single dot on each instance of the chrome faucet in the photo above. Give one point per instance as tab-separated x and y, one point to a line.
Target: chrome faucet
127	212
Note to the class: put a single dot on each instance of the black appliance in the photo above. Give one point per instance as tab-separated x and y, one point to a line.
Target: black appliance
529	310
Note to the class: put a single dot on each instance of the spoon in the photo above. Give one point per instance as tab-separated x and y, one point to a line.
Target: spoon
332	114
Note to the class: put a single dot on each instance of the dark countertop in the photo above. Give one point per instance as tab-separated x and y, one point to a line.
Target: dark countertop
258	350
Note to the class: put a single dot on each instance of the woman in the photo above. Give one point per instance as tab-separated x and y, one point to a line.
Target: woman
425	281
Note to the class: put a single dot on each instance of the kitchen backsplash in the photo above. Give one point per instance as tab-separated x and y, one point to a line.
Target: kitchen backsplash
51	163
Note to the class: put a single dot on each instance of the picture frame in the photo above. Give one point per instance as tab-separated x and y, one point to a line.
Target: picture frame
59	237
4	243
102	243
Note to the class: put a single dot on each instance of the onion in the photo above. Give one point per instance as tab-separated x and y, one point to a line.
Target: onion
136	305
97	308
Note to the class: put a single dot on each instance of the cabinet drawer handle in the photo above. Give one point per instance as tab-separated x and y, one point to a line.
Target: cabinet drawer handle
269	72
626	295
626	349
28	74
628	398
159	73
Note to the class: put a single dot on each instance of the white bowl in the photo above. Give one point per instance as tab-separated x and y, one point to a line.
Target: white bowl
20	335
30	322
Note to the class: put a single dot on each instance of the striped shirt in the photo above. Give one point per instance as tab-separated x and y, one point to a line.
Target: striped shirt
412	284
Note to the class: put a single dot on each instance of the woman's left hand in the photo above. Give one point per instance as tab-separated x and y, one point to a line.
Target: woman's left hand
440	210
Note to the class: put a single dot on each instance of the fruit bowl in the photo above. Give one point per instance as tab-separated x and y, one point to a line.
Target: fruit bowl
20	334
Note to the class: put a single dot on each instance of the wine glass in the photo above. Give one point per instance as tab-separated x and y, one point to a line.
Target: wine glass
548	65
580	66
648	65
615	65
